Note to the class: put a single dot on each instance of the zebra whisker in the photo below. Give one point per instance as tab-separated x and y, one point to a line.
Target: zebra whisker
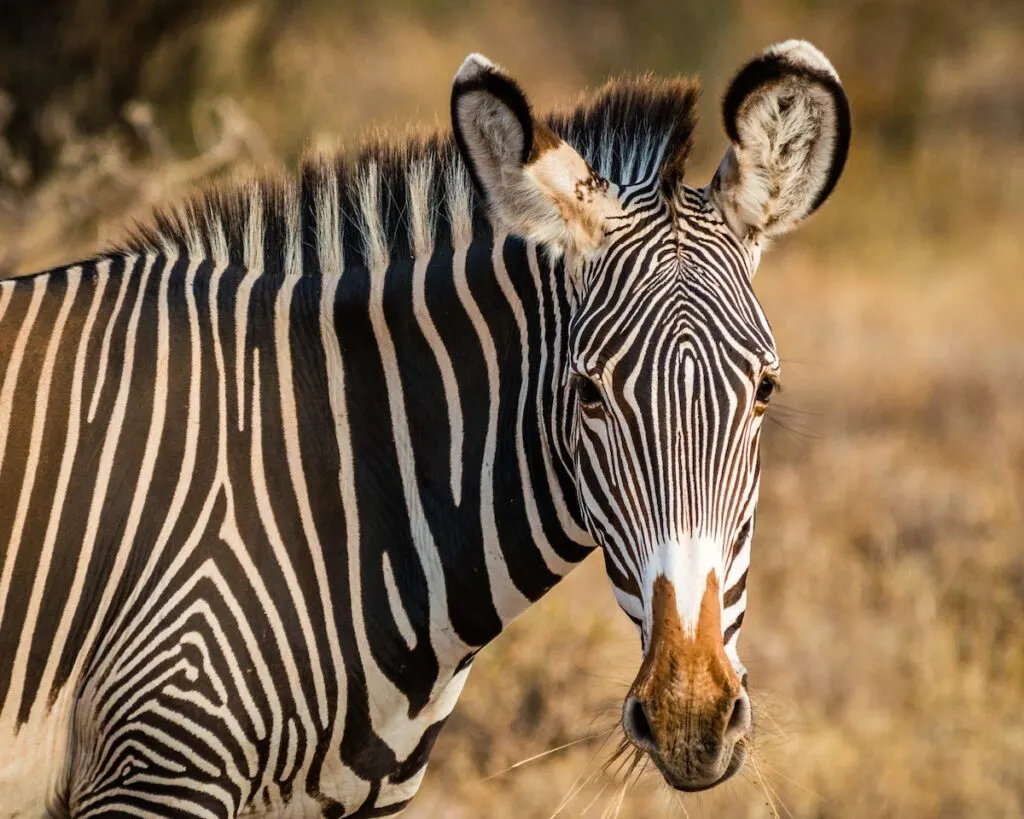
546	753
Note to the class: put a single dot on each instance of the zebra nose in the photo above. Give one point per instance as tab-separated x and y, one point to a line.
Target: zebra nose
695	745
688	709
637	724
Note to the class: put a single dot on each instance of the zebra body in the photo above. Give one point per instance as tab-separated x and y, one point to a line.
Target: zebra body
228	525
273	473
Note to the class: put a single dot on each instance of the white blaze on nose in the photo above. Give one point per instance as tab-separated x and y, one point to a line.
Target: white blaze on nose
685	563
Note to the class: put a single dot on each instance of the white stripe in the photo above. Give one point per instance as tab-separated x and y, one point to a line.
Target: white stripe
456	430
42	403
252	258
101	373
333	773
6	293
444	640
347	786
397	608
509	601
13	370
291	750
104	472
293	455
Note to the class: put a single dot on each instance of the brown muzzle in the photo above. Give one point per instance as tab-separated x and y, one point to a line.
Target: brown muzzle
687	708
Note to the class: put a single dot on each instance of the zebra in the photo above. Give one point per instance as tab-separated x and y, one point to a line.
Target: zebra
275	469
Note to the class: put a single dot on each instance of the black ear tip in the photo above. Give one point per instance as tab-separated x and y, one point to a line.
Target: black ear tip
788	69
758	72
841	146
793	58
478	74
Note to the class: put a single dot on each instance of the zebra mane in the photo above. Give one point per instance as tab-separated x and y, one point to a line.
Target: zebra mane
407	197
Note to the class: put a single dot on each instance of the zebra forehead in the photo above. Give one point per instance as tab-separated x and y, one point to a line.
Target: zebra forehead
673	325
629	130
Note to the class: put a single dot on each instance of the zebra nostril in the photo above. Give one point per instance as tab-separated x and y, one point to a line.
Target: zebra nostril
639	728
739	718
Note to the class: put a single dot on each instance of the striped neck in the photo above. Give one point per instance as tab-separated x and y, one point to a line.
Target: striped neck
471	349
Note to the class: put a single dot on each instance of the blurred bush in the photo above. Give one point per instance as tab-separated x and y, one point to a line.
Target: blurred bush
937	89
916	70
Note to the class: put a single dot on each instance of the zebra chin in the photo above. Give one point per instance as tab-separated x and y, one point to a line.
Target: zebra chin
684	781
688	710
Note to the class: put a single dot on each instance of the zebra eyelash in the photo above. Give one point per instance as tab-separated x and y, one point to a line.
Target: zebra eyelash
588	391
768	386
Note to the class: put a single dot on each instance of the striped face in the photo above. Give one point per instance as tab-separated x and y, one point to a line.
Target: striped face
671	360
673	363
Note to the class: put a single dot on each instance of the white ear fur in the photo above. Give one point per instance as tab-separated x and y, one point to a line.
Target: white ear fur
536	186
789	122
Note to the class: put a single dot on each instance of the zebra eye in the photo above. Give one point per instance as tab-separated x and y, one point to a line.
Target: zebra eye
765	390
588	391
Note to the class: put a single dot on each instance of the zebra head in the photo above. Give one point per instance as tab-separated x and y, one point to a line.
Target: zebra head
670	363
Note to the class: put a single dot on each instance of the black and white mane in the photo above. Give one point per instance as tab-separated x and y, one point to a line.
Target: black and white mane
408	197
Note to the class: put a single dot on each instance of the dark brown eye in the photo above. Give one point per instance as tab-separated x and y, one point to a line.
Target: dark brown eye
765	390
588	391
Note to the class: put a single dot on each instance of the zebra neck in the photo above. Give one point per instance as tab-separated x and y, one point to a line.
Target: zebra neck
457	408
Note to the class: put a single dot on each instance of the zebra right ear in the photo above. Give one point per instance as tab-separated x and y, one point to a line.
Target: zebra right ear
788	120
535	184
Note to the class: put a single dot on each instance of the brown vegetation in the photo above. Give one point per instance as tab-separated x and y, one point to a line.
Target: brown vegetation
885	637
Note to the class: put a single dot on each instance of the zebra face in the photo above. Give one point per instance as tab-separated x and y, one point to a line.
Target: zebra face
671	366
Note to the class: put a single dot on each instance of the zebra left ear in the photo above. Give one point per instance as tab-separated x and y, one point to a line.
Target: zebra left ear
789	123
535	185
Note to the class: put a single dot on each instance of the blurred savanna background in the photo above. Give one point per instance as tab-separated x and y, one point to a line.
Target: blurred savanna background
885	633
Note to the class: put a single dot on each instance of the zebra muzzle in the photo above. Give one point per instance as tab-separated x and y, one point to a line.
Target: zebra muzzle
687	708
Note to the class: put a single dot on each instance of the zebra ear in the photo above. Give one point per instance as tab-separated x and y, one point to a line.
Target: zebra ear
789	123
535	185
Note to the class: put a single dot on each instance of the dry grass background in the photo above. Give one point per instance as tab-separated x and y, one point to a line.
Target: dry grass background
885	637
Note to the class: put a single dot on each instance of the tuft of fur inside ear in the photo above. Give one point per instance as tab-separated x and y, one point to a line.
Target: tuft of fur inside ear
789	123
535	185
492	120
